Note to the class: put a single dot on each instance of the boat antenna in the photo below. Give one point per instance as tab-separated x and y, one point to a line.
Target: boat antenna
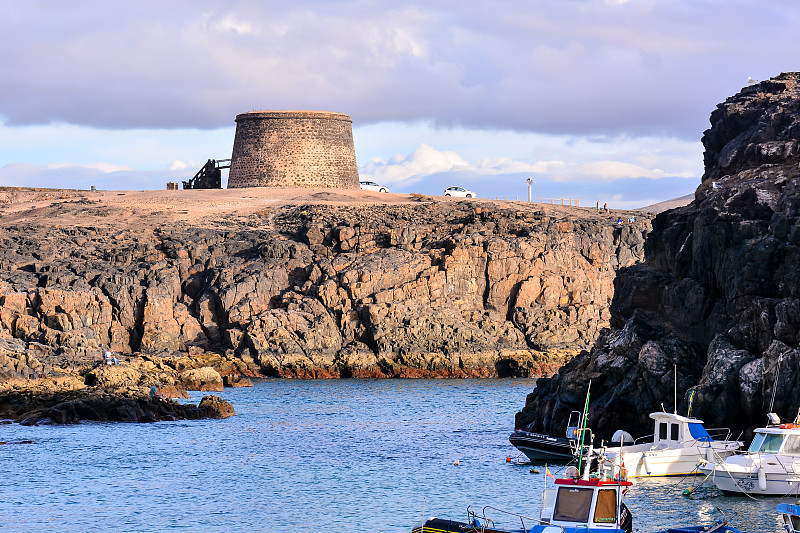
775	382
583	428
675	389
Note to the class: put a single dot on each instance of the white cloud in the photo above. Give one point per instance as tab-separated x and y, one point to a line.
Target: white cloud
407	157
506	165
72	176
405	170
64	145
229	23
103	166
388	45
576	160
651	68
181	165
609	170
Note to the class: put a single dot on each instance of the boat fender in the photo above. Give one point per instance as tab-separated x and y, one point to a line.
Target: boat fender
762	479
645	465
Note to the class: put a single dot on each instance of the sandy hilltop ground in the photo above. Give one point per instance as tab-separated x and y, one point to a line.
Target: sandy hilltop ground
71	207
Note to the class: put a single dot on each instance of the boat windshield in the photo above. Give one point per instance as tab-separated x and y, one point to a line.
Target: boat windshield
766	443
573	504
606	509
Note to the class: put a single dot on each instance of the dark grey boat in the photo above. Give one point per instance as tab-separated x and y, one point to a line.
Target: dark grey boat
540	447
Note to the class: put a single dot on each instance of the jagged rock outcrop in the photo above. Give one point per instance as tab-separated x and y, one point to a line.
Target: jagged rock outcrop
36	405
215	407
202	379
312	291
718	295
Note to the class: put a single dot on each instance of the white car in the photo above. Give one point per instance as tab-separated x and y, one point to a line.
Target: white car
459	191
372	186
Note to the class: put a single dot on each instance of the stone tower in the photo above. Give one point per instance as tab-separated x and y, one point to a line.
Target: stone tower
293	149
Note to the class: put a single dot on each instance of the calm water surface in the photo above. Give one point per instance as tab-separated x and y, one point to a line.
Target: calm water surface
339	456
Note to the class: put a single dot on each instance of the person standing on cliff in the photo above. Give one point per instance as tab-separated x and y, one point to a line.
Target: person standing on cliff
598	206
110	359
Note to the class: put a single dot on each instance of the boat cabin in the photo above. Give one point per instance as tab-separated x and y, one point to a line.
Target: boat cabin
776	439
672	430
586	503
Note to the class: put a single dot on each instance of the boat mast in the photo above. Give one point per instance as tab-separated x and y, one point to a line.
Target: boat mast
583	427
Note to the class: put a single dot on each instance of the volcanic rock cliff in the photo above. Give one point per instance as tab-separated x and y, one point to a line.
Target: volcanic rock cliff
421	288
717	297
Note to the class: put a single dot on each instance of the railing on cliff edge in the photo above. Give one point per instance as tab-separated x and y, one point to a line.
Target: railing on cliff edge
576	202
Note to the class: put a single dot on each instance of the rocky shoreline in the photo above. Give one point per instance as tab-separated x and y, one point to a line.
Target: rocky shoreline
417	288
717	299
33	406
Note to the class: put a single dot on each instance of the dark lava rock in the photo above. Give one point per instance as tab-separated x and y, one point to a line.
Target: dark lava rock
717	299
215	407
30	407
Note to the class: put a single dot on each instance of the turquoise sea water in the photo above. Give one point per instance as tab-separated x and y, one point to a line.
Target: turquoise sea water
302	456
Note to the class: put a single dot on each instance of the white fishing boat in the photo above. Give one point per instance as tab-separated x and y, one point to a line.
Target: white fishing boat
677	447
770	466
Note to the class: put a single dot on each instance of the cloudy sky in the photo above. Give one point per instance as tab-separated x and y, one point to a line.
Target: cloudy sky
594	99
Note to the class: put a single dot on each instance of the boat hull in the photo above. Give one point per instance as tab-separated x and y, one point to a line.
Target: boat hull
665	462
738	483
721	527
660	464
755	473
439	525
539	447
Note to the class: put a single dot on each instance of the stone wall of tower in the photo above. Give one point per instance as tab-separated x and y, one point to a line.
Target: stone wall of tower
293	149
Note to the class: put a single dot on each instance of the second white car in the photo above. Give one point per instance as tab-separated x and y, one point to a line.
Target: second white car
459	191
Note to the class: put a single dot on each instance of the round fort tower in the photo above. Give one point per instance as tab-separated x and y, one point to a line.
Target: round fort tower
293	149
